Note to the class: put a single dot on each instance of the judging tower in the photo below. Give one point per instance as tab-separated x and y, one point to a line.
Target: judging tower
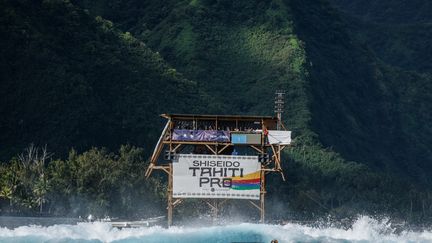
219	157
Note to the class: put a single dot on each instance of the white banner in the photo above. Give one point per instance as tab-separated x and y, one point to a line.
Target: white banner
216	176
279	137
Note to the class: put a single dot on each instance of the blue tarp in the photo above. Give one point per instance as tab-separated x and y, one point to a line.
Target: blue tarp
238	138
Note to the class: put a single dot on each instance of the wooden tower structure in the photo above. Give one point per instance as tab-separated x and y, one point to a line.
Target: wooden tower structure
220	136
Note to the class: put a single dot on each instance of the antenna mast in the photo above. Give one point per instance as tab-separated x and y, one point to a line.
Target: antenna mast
279	105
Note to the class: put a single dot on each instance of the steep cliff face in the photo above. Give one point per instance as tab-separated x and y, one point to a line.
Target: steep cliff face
69	79
361	106
395	12
240	52
397	31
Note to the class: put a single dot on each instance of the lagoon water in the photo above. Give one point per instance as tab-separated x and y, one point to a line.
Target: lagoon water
365	229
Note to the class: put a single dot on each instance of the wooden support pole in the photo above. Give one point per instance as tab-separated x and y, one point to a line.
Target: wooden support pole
176	147
214	205
283	126
255	205
210	204
149	170
275	154
279	157
170	196
257	149
156	167
177	202
223	201
282	174
223	148
262	133
269	170
161	167
170	180
262	196
216	210
208	146
160	142
164	168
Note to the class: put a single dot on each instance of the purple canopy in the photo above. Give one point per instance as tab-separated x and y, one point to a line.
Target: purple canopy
200	135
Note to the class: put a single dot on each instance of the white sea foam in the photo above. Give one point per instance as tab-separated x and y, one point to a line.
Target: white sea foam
365	229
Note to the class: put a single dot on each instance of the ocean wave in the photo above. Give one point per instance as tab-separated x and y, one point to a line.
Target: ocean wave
365	229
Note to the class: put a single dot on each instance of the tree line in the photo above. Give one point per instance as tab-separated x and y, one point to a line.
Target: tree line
95	182
103	183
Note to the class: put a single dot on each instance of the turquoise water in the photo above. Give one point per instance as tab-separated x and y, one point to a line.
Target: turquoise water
364	229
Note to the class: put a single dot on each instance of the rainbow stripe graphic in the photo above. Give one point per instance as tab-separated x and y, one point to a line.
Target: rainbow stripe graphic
248	182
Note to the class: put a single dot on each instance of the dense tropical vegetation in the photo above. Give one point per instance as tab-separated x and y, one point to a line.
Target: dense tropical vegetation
89	183
85	77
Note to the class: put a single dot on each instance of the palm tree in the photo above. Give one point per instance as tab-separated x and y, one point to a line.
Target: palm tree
6	192
40	189
33	161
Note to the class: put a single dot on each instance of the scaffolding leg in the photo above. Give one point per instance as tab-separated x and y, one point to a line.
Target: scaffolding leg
214	207
170	196
262	197
216	211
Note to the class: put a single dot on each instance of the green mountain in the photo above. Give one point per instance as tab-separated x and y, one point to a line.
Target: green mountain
239	62
361	105
97	73
397	31
242	51
395	11
69	79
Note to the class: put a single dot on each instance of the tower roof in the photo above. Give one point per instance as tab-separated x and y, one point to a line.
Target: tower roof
221	117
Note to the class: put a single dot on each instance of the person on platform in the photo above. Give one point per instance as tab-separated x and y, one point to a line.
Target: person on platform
234	152
265	132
